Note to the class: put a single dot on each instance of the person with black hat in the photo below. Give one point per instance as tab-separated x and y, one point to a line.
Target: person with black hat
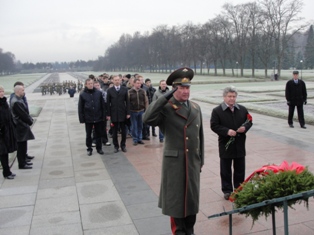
180	120
296	95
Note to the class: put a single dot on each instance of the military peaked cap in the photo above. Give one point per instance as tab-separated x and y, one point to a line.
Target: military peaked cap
295	72
181	77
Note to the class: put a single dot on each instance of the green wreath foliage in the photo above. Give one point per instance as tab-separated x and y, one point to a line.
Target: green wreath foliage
270	186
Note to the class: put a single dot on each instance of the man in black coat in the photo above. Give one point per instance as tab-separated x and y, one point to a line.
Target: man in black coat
118	111
296	95
230	121
92	112
22	121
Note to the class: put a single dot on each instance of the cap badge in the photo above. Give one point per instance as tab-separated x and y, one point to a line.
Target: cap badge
185	70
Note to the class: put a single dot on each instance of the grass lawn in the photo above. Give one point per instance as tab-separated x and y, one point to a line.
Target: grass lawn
8	81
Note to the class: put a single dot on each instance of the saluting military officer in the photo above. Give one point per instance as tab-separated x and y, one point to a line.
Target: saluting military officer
183	155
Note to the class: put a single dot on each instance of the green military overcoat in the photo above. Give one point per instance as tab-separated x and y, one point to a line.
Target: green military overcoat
183	154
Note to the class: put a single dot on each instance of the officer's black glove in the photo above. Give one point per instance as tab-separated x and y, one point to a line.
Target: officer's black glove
170	94
288	102
305	102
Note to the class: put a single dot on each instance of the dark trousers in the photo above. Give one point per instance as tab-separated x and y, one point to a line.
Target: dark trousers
21	153
145	131
148	130
98	127
226	173
104	137
115	129
5	165
300	114
183	226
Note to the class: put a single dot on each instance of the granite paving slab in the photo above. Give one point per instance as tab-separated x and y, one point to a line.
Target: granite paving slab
105	214
97	191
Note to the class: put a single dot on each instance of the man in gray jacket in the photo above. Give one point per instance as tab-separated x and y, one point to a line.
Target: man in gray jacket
22	121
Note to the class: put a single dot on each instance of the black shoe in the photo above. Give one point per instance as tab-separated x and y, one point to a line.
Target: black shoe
123	149
146	138
291	125
29	157
12	174
227	195
154	135
161	141
9	177
100	152
27	160
135	143
140	142
304	127
28	163
116	150
89	152
25	167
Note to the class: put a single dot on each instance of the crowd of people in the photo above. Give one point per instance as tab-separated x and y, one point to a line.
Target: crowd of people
132	106
60	88
15	131
124	101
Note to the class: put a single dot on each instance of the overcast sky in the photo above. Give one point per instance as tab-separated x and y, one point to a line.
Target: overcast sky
68	30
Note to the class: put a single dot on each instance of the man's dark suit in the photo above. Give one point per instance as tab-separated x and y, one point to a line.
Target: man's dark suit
117	109
296	95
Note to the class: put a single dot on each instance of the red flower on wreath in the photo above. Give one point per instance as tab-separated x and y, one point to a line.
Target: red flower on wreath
264	170
249	118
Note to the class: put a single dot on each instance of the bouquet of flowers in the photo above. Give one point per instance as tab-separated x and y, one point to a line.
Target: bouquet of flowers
269	182
232	138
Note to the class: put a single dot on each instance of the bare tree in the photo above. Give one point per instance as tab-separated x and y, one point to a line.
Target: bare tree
241	23
283	16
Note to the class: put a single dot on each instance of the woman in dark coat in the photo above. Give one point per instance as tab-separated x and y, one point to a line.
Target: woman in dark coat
7	135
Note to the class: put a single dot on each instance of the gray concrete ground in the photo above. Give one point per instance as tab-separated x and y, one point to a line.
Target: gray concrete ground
68	192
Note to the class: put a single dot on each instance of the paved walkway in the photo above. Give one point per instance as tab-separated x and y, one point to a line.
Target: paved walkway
68	192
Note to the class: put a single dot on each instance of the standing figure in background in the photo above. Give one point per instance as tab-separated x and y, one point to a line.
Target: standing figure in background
138	104
162	90
23	122
7	136
91	111
296	95
118	111
28	157
150	93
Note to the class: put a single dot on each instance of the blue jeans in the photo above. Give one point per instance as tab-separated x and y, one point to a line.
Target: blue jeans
137	125
161	135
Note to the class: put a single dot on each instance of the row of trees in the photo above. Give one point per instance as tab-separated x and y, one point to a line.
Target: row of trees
265	34
78	65
8	65
7	62
268	34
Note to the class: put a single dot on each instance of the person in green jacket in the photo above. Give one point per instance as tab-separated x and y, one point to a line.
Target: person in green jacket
180	120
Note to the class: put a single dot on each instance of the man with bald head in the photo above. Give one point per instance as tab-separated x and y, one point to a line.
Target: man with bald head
22	121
